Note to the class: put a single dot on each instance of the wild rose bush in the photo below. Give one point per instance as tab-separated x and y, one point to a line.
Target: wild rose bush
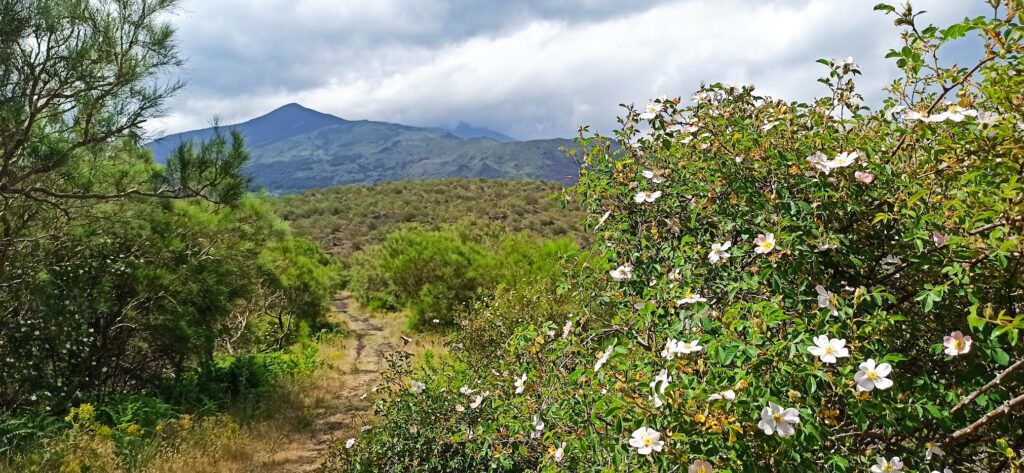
775	287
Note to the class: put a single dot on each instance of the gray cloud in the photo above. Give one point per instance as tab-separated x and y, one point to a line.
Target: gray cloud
531	69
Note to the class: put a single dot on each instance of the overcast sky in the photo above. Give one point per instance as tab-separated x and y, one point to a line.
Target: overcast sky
530	69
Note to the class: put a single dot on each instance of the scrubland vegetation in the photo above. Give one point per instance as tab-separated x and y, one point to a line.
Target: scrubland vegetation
761	285
349	218
774	286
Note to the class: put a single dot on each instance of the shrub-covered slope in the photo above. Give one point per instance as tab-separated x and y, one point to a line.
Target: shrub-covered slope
347	218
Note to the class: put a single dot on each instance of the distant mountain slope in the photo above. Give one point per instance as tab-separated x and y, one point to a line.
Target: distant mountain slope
295	148
466	131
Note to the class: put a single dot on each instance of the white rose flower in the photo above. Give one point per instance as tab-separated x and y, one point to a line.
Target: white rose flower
559	453
655	178
691	298
646	440
622	273
764	243
728	395
820	162
956	343
931	449
719	252
827	350
887	466
658	386
689	347
538	426
651	111
646	196
520	384
700	466
776	420
871	377
988	118
826	300
843	160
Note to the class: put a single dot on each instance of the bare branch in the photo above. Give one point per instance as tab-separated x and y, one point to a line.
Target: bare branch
988	386
977	425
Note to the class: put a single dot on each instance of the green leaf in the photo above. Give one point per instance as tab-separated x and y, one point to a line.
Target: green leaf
1000	356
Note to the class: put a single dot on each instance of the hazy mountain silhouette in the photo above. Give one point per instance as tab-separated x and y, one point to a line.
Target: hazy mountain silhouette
466	131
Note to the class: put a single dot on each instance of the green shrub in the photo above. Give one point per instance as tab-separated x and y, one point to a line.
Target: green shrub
438	274
735	231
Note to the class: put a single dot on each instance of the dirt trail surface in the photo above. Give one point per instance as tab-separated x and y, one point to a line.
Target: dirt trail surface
335	405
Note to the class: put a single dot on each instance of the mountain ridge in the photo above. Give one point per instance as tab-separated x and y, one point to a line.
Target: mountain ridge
466	131
295	148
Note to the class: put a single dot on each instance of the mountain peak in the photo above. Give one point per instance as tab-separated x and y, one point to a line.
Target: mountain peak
297	110
281	123
290	107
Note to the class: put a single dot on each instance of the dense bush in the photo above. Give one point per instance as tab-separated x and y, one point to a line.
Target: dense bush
146	295
775	287
437	274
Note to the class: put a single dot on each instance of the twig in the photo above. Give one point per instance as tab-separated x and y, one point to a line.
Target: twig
998	412
991	384
997	223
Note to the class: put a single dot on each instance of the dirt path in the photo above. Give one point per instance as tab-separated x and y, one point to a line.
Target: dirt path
335	405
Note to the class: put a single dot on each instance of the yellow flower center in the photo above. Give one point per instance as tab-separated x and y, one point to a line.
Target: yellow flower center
648	442
872	375
767	245
959	345
777	417
829	350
